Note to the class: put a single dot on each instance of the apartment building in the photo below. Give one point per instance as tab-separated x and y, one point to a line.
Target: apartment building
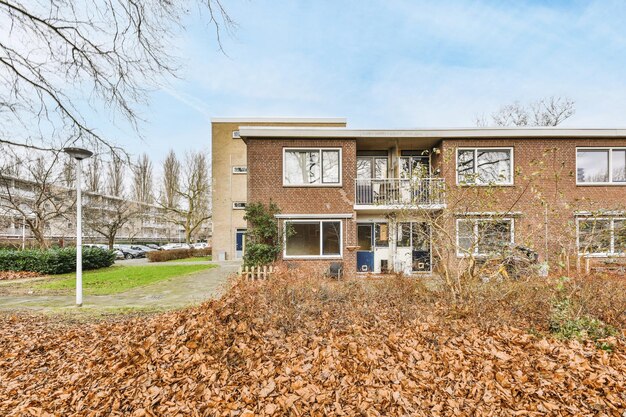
55	204
399	200
230	177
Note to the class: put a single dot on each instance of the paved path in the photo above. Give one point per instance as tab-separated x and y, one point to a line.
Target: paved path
171	293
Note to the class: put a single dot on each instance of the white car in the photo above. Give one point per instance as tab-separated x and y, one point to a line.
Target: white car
170	246
200	245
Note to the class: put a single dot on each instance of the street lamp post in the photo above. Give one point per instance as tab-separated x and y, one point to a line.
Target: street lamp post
79	154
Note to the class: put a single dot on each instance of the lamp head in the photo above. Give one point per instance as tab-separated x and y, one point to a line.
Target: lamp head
78	153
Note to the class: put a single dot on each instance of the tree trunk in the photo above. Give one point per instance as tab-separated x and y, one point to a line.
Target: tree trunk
39	236
110	241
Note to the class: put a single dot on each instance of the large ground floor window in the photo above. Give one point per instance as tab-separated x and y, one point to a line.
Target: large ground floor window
313	238
601	236
483	236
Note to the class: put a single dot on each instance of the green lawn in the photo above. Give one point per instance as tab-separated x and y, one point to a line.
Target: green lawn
118	279
192	259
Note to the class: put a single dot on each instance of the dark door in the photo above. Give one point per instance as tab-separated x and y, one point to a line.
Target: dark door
421	247
240	242
365	254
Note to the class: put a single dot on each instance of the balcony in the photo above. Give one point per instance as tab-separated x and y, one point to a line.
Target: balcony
399	193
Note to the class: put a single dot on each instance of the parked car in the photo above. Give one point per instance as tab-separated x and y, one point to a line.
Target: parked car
200	245
144	248
129	252
118	254
170	246
96	245
154	246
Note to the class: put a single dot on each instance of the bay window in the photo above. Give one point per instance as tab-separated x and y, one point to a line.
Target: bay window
485	236
312	167
601	166
484	166
313	238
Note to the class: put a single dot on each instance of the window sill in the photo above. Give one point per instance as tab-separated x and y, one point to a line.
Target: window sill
312	258
601	184
312	185
484	185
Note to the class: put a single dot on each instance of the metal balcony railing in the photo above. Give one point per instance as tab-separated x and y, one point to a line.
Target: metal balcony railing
399	192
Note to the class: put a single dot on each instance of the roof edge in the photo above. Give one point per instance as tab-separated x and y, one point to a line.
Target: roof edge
473	132
279	119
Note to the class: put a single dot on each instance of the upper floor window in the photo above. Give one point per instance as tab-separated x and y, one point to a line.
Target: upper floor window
601	166
484	166
312	167
484	236
601	236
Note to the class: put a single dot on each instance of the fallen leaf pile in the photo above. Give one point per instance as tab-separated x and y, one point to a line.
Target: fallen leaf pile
238	357
7	275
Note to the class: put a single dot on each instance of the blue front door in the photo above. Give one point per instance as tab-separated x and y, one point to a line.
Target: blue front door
365	261
240	242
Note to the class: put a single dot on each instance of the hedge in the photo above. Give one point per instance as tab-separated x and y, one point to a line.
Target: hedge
169	255
54	261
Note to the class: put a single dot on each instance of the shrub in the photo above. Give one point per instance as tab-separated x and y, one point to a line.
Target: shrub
54	261
263	239
169	255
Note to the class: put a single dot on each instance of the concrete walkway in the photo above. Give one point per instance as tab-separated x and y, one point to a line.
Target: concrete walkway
168	294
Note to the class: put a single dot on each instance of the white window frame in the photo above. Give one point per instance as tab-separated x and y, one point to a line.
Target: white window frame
320	150
240	172
320	256
611	252
476	149
610	167
461	253
235	203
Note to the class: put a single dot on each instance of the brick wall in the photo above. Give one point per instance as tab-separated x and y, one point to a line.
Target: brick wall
265	184
544	190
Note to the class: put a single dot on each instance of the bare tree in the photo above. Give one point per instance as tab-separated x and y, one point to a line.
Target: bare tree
93	180
550	111
36	198
57	55
106	216
115	180
142	180
68	171
189	202
171	180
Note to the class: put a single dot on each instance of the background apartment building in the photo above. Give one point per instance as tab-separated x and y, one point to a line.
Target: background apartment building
230	177
146	222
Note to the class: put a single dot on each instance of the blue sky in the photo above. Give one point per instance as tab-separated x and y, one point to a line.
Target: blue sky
390	64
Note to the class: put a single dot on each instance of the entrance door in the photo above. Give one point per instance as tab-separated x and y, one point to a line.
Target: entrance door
240	243
365	254
421	244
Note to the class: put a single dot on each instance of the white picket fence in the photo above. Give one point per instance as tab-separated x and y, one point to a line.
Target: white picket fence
256	272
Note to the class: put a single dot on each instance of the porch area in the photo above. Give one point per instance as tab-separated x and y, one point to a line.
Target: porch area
394	246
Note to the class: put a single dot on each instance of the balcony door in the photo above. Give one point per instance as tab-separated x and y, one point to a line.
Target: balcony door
414	164
372	165
371	170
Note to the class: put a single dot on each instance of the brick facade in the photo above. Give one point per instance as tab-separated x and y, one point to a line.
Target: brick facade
544	194
543	198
